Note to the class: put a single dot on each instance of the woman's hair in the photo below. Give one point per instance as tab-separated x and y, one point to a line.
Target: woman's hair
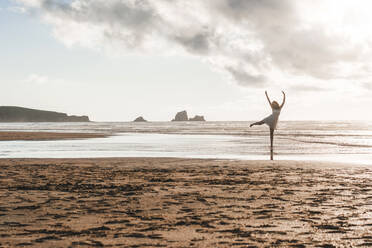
275	105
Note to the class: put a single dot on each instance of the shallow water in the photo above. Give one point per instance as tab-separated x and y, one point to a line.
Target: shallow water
328	141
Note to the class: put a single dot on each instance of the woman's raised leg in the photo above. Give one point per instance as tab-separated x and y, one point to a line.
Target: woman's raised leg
257	123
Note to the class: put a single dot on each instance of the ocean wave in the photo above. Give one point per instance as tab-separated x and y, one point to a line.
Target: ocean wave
330	143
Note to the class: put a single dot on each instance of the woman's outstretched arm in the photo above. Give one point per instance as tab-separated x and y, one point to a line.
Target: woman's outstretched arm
281	105
267	97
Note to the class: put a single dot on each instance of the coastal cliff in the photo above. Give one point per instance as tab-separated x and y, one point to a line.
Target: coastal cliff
19	114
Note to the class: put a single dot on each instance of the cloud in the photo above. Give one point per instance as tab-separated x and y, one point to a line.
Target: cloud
17	9
31	3
246	79
366	85
256	42
36	79
306	88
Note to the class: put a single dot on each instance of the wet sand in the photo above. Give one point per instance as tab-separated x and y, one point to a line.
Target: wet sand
7	136
166	202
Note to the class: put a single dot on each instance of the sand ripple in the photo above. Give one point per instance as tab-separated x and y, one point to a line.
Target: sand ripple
138	202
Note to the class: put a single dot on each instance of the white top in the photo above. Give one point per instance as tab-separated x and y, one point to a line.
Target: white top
272	119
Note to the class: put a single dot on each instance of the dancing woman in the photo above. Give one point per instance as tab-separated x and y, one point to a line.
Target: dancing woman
272	120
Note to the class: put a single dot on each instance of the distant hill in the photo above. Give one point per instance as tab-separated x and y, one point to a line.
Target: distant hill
19	114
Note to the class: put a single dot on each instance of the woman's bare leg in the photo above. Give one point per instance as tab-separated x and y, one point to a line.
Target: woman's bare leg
271	144
257	123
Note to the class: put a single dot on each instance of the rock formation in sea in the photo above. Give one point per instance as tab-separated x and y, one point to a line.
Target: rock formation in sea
140	119
19	114
181	116
197	118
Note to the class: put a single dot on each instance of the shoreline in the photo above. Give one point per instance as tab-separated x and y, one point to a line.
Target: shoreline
204	161
40	136
175	202
310	163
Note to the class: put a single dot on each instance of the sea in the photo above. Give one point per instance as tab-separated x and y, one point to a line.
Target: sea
334	141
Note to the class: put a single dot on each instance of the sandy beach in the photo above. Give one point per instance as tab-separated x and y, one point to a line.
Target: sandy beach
167	202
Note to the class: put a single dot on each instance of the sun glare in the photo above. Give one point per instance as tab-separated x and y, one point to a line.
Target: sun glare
350	19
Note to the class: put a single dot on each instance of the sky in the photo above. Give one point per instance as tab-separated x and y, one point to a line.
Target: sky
115	60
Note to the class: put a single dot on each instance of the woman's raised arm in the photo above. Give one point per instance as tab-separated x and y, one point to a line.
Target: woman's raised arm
281	105
267	97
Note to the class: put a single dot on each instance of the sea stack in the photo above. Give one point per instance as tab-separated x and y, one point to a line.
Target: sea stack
19	114
197	118
140	119
181	116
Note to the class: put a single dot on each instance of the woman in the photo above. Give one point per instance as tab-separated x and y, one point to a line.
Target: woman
272	119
